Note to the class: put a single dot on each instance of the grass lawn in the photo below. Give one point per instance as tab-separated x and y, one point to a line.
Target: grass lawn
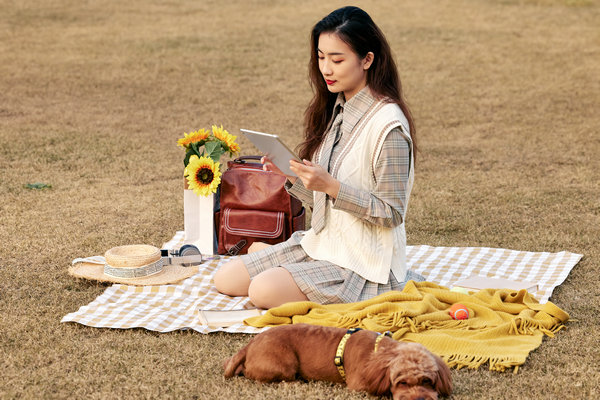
94	95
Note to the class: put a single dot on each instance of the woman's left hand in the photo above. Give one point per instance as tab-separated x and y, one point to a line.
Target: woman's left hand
314	177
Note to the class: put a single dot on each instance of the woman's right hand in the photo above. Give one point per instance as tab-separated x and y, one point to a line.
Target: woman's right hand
270	167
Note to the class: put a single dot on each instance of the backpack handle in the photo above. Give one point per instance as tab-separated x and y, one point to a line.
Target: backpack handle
242	159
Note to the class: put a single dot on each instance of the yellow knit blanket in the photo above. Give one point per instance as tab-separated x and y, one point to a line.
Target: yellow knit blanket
503	327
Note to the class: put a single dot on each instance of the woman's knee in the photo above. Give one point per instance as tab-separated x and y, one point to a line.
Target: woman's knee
274	287
232	278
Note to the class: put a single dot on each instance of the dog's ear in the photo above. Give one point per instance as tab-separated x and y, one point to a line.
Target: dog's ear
443	382
376	376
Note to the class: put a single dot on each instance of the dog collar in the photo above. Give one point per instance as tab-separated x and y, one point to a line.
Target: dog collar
379	337
339	353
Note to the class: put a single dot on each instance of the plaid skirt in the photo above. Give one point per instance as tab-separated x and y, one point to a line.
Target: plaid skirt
321	281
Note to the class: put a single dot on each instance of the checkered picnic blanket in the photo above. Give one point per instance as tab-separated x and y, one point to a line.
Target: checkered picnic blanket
171	307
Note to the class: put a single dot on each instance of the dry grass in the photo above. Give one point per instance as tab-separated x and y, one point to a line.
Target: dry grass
94	94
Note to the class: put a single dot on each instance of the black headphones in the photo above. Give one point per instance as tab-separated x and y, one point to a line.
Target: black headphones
170	255
185	250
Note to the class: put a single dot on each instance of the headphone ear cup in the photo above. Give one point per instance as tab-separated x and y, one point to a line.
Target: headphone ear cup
189	250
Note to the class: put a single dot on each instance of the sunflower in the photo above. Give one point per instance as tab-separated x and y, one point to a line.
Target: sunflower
203	175
228	139
193	137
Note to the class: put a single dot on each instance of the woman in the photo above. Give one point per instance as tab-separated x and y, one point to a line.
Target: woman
359	136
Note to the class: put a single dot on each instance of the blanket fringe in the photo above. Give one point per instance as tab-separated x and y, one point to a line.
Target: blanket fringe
349	321
400	321
400	324
526	326
459	361
397	320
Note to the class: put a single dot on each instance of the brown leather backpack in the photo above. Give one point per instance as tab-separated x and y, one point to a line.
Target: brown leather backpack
254	207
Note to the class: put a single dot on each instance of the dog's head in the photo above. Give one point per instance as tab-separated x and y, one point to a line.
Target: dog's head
416	373
410	371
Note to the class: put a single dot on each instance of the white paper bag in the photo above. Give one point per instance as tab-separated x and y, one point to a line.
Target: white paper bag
198	217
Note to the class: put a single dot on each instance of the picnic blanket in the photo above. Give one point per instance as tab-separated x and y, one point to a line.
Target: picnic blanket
503	327
167	308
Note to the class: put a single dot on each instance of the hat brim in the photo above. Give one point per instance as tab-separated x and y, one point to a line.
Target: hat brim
169	274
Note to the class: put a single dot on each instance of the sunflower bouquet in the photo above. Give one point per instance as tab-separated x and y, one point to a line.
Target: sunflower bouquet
203	150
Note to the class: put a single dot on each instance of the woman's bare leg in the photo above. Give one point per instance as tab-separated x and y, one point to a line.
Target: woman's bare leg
232	278
257	246
273	287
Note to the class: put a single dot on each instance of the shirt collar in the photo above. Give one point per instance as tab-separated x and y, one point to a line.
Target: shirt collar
339	101
355	108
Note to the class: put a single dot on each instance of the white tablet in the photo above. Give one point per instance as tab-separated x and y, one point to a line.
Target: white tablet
274	148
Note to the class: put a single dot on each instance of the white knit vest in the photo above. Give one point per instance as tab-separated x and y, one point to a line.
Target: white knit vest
369	250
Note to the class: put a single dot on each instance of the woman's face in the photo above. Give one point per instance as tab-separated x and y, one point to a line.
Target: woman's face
341	67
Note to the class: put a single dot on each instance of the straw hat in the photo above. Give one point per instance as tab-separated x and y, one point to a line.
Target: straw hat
137	264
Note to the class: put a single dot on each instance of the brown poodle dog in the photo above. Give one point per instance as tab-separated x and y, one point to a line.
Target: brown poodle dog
284	353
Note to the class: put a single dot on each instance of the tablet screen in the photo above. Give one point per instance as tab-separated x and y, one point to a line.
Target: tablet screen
274	148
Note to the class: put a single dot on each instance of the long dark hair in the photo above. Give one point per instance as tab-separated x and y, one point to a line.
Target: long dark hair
356	28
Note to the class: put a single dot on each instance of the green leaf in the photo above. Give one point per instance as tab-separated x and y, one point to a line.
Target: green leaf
214	150
210	147
186	160
190	152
